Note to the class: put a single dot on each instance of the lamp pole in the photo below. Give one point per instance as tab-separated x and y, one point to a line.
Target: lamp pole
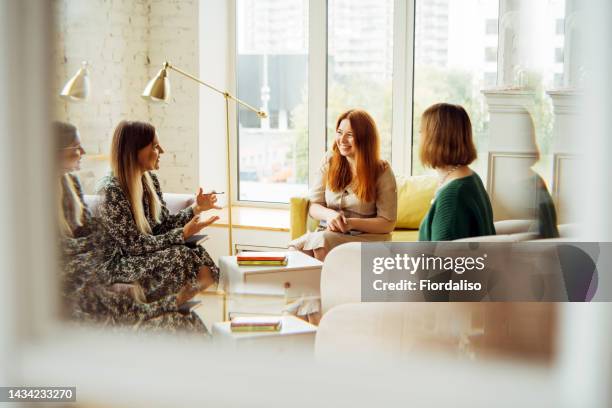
229	176
158	89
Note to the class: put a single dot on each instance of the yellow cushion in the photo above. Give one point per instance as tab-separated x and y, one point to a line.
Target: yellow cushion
405	235
414	195
298	213
300	221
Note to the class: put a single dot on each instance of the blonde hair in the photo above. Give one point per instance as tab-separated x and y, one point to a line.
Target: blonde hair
128	139
67	190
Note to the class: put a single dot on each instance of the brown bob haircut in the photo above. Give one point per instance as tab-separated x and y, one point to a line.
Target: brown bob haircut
446	136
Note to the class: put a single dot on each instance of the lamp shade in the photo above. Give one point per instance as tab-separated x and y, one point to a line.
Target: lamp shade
158	88
77	87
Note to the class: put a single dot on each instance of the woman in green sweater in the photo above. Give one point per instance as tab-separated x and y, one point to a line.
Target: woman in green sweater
461	207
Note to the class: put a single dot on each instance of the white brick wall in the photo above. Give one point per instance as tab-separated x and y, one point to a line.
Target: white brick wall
126	43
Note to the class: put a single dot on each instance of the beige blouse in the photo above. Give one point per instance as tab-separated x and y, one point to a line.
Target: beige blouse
384	206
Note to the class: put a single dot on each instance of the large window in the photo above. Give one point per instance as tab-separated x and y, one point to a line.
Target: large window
374	53
272	73
360	63
455	58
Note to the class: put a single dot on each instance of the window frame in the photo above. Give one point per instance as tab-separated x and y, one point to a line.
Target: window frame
314	10
402	81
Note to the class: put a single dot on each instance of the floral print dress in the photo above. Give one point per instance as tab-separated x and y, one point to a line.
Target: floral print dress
160	262
87	300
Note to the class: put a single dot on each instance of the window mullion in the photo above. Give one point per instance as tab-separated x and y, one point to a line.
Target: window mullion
403	66
317	85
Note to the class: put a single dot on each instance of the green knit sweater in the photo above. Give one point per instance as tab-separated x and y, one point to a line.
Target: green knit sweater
461	209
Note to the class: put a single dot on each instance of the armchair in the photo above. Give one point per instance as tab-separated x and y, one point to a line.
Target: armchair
414	195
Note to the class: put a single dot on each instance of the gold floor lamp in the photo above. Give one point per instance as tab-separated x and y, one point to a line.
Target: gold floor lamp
158	90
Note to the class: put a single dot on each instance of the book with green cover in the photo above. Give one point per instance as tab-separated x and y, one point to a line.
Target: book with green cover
256	323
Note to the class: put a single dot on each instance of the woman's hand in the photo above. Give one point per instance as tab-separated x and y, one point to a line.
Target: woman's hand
186	294
196	224
205	202
337	223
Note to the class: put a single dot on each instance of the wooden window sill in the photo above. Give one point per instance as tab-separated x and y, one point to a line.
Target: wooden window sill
256	218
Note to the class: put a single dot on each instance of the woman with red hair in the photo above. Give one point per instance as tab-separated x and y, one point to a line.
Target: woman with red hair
355	195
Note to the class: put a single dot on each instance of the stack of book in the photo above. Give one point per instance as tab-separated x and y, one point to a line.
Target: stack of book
262	259
258	323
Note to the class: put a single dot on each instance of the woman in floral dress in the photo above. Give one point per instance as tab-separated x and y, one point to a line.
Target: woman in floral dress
143	242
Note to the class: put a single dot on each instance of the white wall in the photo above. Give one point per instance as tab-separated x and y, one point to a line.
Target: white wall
126	42
173	36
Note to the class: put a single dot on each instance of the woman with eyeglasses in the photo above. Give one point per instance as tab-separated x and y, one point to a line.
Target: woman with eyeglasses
76	224
355	194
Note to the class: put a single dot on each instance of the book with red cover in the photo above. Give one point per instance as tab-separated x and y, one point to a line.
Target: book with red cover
262	256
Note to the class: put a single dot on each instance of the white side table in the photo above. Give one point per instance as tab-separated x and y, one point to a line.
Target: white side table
253	290
295	335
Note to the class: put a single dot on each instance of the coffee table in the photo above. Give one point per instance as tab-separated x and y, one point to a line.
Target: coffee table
257	290
295	335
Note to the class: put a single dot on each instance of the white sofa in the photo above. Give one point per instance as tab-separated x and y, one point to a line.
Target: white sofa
519	230
373	330
340	276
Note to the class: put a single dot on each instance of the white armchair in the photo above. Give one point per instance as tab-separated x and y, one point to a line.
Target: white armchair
341	276
373	330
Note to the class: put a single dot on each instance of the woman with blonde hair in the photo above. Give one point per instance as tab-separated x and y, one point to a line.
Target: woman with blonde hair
144	243
461	207
76	224
355	195
74	217
85	298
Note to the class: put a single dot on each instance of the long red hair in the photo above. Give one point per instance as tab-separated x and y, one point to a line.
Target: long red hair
368	165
